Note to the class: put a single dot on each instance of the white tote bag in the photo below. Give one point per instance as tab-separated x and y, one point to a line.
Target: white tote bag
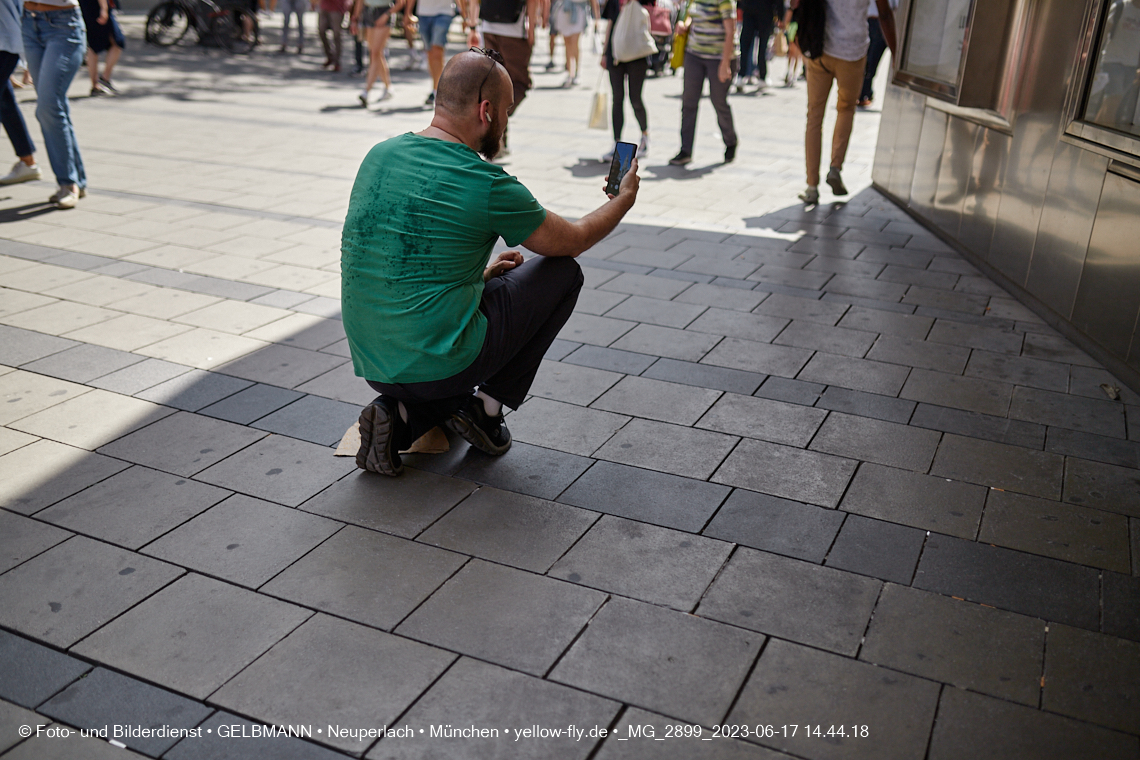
632	39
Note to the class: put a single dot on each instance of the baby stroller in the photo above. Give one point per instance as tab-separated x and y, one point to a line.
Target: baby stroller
662	22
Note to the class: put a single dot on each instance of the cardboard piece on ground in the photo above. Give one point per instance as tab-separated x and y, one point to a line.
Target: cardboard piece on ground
433	441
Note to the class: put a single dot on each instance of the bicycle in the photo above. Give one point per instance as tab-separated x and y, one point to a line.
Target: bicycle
229	26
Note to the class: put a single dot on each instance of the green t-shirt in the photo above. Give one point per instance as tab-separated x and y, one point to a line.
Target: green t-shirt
422	219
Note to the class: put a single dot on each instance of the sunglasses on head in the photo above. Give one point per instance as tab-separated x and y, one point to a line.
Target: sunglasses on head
495	57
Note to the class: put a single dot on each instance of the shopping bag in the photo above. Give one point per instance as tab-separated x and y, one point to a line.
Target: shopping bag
677	58
631	38
600	107
779	45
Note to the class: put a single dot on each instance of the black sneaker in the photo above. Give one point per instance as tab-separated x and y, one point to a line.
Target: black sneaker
729	153
681	159
481	430
381	433
836	181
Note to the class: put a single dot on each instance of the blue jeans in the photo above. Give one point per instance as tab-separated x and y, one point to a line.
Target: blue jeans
10	114
54	45
755	27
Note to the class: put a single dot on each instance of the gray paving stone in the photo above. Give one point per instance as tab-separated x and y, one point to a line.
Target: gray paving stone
1010	580
776	525
609	359
763	418
657	400
655	311
11	717
243	540
997	465
83	363
1054	529
856	374
279	469
876	238
21	539
564	427
165	278
697	247
792	391
193	390
867	269
721	297
689	452
594	274
876	548
802	309
887	323
926	278
1018	370
194	635
1073	412
629	740
573	384
329	308
832	340
760	358
480	611
981	727
31	673
921	501
729	282
703	376
213	744
182	444
1103	486
238	291
311	418
1092	677
972	336
967	393
793	684
862	287
985	322
365	576
23	346
527	469
847	250
653	564
950	301
963	644
140	376
870	303
510	528
1098	448
42	473
487	695
251	404
796	278
105	697
786	472
1087	381
911	352
330	667
866	404
658	498
684	345
133	507
872	440
283	366
1134	524
1121	602
26	393
736	324
560	349
976	425
790	599
597	331
662	660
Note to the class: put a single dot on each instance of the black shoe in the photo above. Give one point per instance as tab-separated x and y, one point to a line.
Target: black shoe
381	434
681	159
729	153
481	430
836	181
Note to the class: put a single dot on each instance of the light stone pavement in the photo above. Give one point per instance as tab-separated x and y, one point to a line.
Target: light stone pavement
803	473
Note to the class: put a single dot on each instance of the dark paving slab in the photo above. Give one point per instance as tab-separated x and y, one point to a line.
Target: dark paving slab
950	301
596	331
765	419
855	268
866	405
1120	595
44	472
133	507
653	564
1011	580
31	673
719	296
559	349
1098	448
668	342
794	600
609	359
183	443
1103	486
83	363
792	391
104	697
904	325
761	358
872	440
871	303
194	635
662	660
1055	529
923	277
365	576
975	425
487	695
802	531
703	376
877	548
984	728
193	390
251	404
21	539
1093	677
1087	381
861	287
11	718
999	466
76	587
510	528
967	645
1066	411
629	740
571	383
916	352
675	449
213	745
23	346
832	340
666	500
311	418
509	617
403	506
283	366
330	667
786	472
531	470
1019	370
655	311
657	400
279	469
243	540
967	393
1053	347
795	685
802	310
856	374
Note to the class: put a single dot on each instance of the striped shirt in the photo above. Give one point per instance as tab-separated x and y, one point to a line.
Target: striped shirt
706	35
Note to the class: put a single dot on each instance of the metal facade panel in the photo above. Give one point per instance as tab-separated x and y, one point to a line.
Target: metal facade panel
888	133
954	174
1066	226
925	181
980	206
912	106
1108	299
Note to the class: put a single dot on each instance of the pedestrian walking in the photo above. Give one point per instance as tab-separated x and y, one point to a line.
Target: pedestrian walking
874	54
571	19
710	53
435	20
104	35
291	8
508	28
629	74
374	16
54	42
11	45
757	19
330	21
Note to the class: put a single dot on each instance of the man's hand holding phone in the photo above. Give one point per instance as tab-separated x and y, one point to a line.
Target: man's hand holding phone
629	183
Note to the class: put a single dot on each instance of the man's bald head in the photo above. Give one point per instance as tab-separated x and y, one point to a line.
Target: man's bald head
458	89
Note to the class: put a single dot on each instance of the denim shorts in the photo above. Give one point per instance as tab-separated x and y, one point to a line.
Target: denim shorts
433	29
372	13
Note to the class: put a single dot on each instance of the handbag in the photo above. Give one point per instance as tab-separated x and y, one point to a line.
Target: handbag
631	38
810	17
600	106
779	44
677	59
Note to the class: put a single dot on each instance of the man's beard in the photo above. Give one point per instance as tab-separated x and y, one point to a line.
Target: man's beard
490	142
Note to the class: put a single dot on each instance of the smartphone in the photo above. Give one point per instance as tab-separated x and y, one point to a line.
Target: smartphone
623	159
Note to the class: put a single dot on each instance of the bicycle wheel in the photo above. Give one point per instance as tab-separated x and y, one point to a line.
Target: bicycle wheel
167	23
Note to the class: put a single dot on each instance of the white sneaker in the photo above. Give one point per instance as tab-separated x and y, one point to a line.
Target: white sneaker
643	146
65	198
62	191
21	172
609	155
387	94
363	97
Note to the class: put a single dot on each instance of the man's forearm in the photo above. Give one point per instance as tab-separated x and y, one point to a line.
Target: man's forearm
561	237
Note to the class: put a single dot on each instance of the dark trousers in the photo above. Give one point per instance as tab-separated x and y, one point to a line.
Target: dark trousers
874	55
516	60
525	309
755	27
697	70
634	71
10	114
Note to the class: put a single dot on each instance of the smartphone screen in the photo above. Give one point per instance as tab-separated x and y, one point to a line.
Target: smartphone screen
623	158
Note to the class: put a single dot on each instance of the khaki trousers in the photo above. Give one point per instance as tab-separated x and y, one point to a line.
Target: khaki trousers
820	73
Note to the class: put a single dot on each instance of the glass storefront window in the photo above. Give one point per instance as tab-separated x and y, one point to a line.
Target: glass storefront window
935	43
1113	95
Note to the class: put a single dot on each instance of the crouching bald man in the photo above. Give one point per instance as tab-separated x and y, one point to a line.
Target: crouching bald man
427	319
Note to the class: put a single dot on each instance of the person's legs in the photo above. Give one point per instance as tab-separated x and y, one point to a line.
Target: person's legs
54	49
377	66
874	55
516	60
10	116
849	78
433	29
695	70
749	24
763	34
324	26
636	71
718	94
572	63
617	74
818	87
93	68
